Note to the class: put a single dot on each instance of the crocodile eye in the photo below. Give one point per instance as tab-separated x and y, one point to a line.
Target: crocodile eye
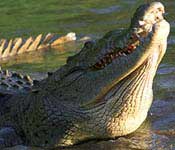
152	12
161	10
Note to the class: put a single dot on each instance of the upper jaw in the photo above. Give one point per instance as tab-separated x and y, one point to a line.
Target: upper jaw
146	27
151	17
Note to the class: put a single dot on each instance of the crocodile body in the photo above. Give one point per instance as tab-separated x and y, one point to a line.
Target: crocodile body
104	91
12	82
18	46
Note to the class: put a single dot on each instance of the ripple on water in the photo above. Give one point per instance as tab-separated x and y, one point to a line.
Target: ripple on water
163	119
165	78
162	108
172	23
166	70
130	2
107	10
166	83
167	122
171	40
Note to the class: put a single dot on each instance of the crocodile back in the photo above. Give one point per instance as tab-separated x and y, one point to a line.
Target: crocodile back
12	83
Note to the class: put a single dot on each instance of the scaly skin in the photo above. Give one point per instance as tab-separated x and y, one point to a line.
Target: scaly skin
12	47
12	82
104	91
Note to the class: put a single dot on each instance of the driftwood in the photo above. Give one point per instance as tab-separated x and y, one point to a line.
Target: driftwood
19	45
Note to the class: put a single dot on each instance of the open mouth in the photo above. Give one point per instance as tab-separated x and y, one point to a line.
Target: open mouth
117	52
144	57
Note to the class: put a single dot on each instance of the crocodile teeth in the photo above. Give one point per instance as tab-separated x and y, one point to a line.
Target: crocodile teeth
128	49
119	53
112	56
124	54
116	55
131	47
141	23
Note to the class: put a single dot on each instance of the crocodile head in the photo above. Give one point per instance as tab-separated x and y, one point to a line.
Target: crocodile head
142	22
100	66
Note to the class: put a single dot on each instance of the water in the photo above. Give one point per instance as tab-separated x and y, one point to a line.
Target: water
93	18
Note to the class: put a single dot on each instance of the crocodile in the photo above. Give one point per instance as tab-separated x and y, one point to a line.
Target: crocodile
102	92
16	46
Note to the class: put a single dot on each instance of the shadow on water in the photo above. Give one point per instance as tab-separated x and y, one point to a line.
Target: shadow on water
94	18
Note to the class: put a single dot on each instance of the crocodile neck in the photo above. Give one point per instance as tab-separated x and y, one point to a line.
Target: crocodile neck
128	102
123	109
